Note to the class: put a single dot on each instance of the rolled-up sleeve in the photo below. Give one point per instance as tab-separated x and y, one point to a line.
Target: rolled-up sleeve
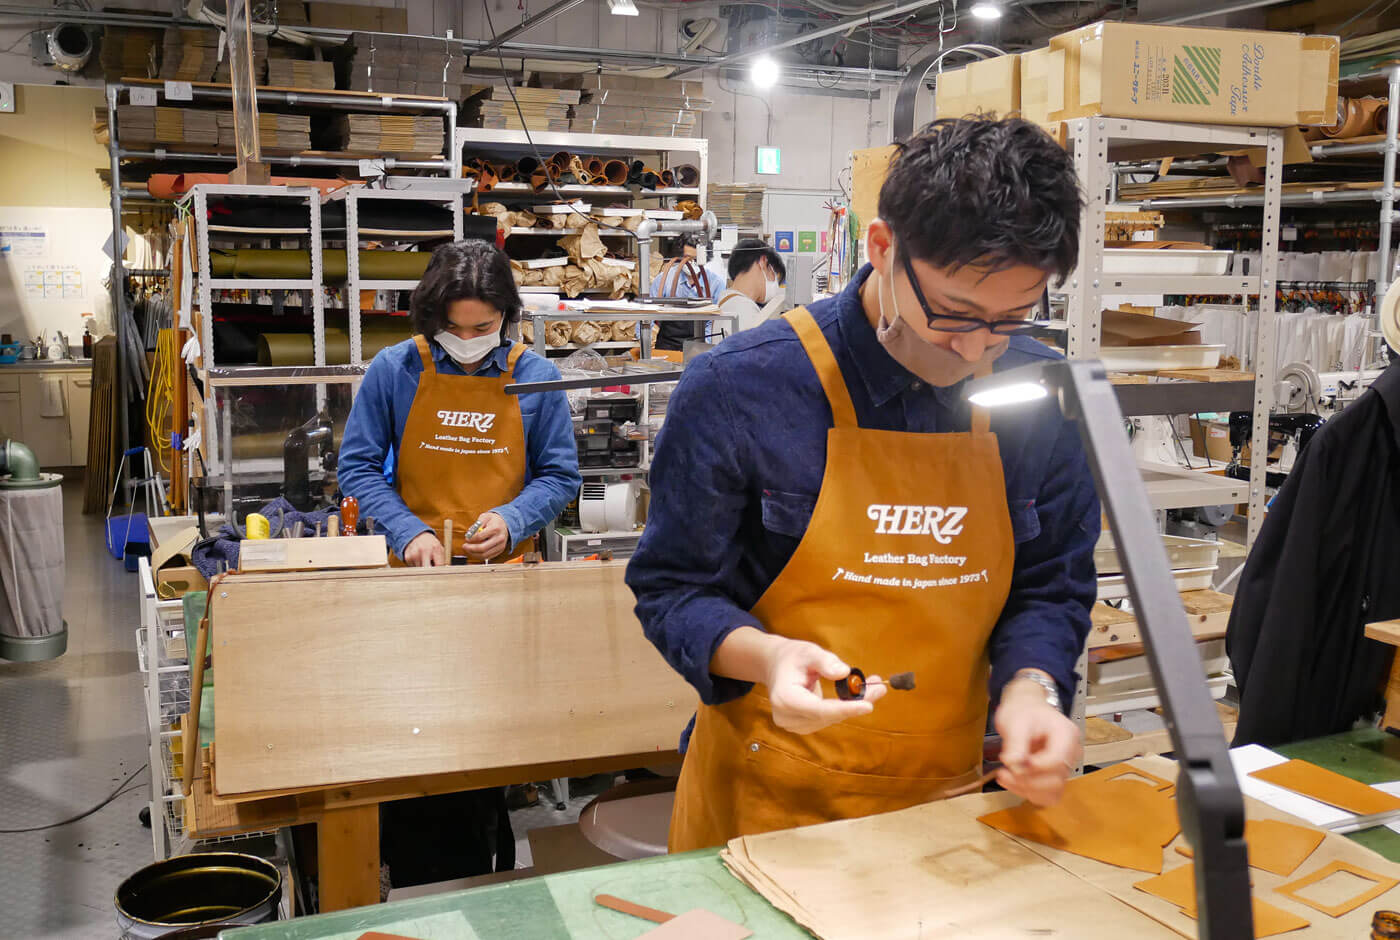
687	555
371	432
551	457
1053	586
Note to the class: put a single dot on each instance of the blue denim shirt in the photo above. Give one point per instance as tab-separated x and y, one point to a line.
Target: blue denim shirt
375	427
740	459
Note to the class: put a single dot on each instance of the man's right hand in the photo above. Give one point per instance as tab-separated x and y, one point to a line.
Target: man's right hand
424	551
792	670
795	671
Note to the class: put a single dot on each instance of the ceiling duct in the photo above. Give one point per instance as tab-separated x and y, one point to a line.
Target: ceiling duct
69	46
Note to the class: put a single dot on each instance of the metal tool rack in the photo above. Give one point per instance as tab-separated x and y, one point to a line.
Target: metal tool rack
448	165
1100	142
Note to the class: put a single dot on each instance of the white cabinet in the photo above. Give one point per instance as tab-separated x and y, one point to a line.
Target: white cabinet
47	409
43	400
80	401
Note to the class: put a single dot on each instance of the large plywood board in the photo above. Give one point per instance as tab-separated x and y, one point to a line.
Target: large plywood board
335	677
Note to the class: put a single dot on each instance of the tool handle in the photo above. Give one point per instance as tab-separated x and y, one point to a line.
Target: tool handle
349	515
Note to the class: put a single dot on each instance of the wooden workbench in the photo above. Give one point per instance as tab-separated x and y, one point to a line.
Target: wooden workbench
340	690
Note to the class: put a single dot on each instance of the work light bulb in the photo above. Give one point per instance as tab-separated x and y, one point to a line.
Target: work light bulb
1013	394
764	72
986	11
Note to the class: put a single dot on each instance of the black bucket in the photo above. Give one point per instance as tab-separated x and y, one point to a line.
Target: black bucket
191	890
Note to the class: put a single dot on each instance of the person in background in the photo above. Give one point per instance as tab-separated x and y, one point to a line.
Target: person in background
683	277
756	274
433	435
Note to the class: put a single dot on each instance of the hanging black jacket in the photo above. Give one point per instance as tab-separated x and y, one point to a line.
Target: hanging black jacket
1326	563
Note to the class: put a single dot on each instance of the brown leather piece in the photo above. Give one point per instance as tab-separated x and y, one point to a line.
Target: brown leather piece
1328	787
1380	885
1120	822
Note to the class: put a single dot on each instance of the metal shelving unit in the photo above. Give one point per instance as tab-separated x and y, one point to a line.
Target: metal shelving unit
1098	143
354	284
202	94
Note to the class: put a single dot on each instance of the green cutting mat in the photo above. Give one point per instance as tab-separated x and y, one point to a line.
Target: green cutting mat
555	907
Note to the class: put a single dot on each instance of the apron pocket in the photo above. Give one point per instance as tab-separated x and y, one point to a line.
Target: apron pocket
779	790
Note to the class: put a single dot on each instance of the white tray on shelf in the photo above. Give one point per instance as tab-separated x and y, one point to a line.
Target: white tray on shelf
1182	553
1114	587
1158	261
1155	358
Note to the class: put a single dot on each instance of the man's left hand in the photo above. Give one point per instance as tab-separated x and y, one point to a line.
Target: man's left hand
491	540
1040	747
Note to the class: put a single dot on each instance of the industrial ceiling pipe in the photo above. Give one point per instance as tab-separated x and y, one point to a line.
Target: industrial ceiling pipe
907	96
69	46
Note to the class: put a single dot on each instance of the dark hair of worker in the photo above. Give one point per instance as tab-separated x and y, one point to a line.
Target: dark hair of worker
987	193
680	243
747	253
465	270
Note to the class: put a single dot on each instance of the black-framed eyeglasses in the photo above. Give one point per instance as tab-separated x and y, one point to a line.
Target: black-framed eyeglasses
950	323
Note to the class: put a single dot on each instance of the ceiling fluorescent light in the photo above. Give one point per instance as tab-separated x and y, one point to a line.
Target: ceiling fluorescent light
764	72
986	11
622	7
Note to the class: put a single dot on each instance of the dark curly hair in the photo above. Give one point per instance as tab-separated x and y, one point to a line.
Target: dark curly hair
986	192
465	270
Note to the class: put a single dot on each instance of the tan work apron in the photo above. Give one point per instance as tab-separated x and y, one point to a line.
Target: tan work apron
905	566
463	448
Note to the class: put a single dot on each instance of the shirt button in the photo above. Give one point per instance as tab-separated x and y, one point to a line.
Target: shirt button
754	748
915	385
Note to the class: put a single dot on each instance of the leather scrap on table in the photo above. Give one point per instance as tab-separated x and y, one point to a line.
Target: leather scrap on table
1178	887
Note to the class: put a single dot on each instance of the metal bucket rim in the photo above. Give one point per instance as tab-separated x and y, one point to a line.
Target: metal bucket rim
241	856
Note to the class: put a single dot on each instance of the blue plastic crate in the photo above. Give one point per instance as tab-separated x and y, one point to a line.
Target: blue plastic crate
128	538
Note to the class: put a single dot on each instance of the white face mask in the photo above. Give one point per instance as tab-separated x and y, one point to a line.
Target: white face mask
772	287
468	351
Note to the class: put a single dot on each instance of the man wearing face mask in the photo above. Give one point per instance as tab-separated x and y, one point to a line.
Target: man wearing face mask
434	436
858	513
756	273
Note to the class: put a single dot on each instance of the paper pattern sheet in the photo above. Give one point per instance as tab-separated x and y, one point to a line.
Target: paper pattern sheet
934	871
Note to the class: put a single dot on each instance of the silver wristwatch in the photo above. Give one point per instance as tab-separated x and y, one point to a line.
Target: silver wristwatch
1052	691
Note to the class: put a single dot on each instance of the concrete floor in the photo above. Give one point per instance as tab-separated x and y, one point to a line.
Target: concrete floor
70	732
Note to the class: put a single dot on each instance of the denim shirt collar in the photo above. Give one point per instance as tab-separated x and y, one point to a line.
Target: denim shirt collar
447	364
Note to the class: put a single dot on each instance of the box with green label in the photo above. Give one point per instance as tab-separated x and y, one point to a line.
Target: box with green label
1198	75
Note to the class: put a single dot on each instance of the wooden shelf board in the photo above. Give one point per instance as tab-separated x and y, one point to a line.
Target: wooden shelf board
1207	612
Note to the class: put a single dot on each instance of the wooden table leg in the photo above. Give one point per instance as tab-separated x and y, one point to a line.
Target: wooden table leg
348	857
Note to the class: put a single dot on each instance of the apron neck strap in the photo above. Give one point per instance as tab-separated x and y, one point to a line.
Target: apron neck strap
981	417
426	352
843	412
516	351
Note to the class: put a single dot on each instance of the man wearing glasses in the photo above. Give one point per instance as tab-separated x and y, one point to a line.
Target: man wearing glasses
824	498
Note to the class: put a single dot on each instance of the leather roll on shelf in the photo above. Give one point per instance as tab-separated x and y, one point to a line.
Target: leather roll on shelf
1320	132
1379	119
668	178
295	349
294	263
579	171
594	165
1360	118
687	174
539	179
525	167
505	172
615	173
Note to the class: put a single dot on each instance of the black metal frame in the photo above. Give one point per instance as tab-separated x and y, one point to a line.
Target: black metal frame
1209	802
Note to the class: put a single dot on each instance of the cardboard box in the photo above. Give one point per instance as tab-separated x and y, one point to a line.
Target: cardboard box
1200	75
1042	84
321	13
990	87
868	170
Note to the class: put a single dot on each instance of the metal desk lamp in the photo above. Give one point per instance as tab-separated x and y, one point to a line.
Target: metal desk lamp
1209	802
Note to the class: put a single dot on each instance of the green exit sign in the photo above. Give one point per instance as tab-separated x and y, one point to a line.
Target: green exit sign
770	160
